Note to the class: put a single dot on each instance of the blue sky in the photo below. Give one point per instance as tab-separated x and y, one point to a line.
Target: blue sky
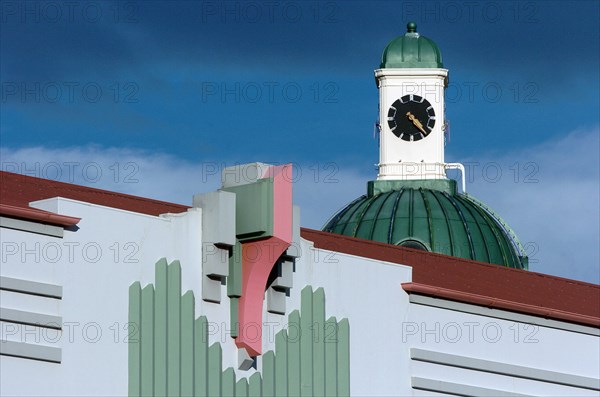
165	93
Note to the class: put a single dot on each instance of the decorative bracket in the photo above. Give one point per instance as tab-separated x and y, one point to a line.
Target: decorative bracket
264	225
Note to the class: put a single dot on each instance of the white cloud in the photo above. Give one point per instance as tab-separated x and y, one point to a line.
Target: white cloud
319	188
324	189
549	193
138	172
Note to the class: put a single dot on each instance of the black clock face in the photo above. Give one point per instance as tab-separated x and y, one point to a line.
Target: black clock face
411	118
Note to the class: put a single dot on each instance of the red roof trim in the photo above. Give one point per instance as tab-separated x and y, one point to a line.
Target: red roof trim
20	190
37	215
525	290
480	300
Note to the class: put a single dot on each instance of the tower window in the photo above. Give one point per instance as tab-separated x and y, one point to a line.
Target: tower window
414	244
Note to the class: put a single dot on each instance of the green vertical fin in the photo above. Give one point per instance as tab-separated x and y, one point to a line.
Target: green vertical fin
234	286
319	367
241	388
173	329
331	357
233	317
293	338
147	331
160	329
187	344
268	372
134	339
255	385
234	280
343	358
281	364
306	342
215	357
201	357
228	383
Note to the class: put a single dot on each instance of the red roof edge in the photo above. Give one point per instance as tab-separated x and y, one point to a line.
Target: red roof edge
20	190
481	283
490	302
37	215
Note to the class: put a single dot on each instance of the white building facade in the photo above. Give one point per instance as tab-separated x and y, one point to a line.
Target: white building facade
114	306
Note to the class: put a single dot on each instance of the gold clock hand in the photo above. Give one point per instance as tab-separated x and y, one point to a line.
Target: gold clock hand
416	122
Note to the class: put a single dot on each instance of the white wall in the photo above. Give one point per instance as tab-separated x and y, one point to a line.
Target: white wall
96	266
367	292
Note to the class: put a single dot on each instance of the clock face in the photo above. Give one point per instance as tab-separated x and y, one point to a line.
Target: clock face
411	118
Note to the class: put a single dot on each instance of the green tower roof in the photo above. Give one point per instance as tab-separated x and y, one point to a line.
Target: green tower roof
428	215
411	51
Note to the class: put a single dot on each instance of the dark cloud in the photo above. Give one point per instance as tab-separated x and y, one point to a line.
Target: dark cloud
169	49
499	36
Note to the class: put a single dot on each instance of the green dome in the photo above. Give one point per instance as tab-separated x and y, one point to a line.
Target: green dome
432	216
411	51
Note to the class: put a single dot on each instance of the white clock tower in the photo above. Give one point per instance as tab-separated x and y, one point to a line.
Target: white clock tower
411	81
412	203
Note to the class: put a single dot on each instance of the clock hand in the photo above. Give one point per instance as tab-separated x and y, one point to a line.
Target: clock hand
416	122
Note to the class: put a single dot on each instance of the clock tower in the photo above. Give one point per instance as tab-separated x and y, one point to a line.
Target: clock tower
412	203
411	81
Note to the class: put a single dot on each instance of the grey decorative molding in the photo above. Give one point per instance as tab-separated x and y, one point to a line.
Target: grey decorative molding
32	227
281	285
458	389
30	318
218	236
30	287
505	369
27	350
502	314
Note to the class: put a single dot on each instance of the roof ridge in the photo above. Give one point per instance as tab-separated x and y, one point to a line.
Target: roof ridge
357	240
84	188
476	278
20	190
